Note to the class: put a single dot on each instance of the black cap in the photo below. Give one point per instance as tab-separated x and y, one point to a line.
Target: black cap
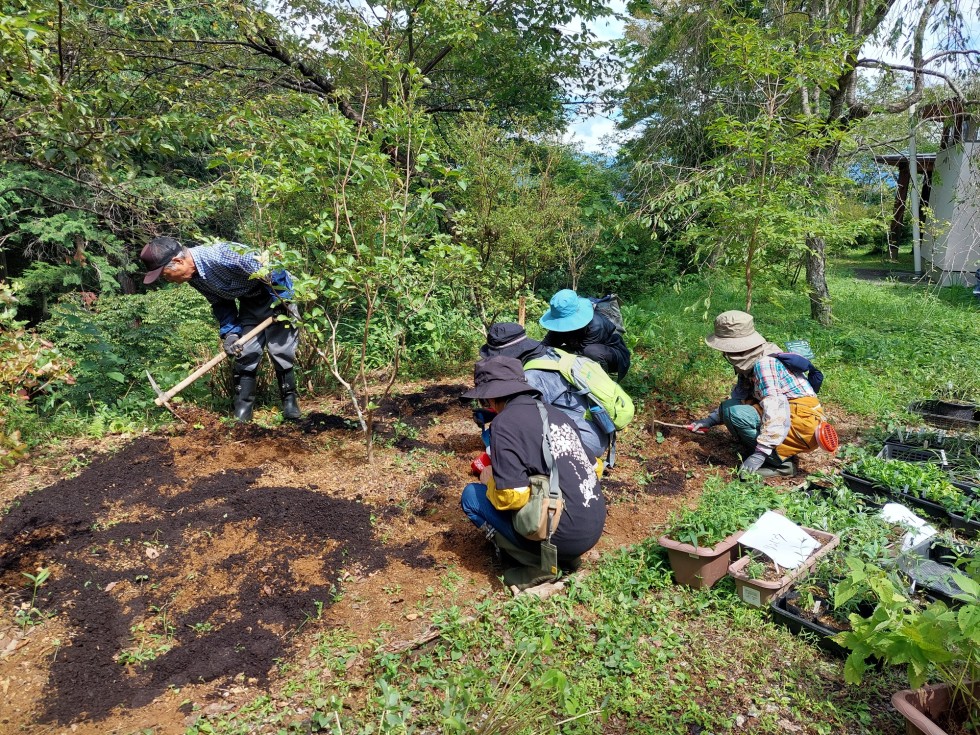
498	377
156	255
508	339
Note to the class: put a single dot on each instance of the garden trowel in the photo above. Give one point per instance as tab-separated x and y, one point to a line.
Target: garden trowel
163	398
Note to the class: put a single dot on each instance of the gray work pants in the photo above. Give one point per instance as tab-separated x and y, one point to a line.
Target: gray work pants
279	338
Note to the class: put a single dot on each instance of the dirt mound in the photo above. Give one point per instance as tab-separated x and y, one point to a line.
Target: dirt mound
185	582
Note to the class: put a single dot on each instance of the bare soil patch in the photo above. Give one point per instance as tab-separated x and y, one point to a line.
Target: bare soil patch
185	566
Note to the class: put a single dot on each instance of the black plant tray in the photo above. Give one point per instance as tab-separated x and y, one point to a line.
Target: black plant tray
865	487
927	507
928	565
909	453
970	529
932	413
783	612
933	510
797	625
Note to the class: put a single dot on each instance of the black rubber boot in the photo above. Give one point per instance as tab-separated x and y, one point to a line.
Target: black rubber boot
287	391
526	577
785	468
244	396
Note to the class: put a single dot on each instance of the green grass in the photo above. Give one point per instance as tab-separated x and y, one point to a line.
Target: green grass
633	653
890	344
623	650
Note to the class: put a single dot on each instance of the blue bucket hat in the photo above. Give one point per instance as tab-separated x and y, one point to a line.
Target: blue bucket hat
568	312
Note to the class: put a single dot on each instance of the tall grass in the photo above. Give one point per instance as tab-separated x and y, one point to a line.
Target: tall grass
890	343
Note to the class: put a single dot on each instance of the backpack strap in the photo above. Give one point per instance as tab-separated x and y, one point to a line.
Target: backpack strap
554	490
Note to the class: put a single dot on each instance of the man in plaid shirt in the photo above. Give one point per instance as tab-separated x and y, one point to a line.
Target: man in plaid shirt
773	411
224	276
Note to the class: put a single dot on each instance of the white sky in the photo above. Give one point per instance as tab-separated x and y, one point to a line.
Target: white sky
594	133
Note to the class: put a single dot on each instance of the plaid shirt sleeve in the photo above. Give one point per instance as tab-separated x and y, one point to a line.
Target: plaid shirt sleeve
771	378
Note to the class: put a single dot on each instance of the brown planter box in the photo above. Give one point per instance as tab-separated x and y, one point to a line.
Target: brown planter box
921	707
758	592
700	566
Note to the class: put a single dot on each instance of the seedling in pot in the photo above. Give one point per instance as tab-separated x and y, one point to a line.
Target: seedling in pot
724	508
935	641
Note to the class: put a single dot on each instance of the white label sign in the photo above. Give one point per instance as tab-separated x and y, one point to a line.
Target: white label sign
780	539
752	596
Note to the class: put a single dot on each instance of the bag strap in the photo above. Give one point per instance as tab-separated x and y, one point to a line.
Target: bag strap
554	490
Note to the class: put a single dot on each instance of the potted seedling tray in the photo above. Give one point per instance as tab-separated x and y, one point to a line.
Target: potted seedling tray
701	541
967	527
930	567
820	622
865	487
925	486
772	583
908	453
700	566
933	510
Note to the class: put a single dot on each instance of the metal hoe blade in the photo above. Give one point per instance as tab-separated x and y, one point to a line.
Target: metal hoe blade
161	394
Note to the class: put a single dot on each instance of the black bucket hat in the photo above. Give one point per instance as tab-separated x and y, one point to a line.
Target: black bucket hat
508	339
499	377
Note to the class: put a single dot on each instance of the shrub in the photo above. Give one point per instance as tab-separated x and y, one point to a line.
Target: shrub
166	331
30	371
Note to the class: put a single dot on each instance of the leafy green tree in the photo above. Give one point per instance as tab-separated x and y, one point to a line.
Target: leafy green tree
759	200
527	209
834	105
359	231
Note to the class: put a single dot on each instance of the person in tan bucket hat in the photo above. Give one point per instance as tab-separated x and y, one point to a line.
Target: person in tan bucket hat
773	411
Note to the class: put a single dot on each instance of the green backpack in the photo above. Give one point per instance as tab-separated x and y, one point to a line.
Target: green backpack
591	380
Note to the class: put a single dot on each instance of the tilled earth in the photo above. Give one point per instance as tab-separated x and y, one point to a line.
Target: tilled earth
185	566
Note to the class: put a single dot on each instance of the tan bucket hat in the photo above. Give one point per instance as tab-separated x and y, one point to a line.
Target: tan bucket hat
734	332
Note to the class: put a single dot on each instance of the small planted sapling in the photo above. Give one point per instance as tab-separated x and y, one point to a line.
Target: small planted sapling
30	614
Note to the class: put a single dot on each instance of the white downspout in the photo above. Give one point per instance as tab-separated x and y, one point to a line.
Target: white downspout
914	197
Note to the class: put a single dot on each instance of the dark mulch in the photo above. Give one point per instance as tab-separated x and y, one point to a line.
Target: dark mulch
249	622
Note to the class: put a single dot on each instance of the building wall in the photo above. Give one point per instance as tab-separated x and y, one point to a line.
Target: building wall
951	239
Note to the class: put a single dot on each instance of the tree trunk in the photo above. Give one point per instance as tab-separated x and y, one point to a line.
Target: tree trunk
816	278
822	161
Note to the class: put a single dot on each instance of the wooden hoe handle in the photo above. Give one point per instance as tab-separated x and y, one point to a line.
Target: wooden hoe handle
160	400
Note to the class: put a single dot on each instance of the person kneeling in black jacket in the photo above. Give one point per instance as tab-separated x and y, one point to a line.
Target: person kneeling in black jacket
517	452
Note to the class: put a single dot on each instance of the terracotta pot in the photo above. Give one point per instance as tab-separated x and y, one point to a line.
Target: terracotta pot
700	566
758	592
921	707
